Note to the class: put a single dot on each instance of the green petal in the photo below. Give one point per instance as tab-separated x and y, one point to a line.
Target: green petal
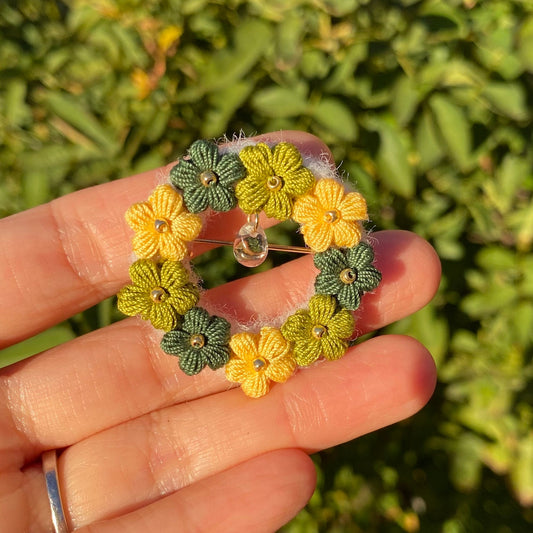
286	159
333	348
361	255
326	283
298	182
341	325
163	316
218	331
221	198
297	327
175	342
204	154
349	297
307	352
257	160
195	198
216	356
183	299
133	300
252	195
230	169
368	278
193	361
184	175
322	308
173	275
145	274
279	205
196	320
332	260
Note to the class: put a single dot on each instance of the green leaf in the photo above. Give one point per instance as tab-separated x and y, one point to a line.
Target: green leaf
508	99
406	98
40	342
522	471
336	117
466	465
428	144
525	44
71	111
281	102
454	129
392	159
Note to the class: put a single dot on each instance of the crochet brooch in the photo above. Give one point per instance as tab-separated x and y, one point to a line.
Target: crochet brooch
283	184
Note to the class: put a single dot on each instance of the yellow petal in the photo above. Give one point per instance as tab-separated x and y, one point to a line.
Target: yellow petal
285	159
171	247
244	345
257	159
318	236
140	216
236	370
346	234
272	344
166	202
256	386
186	226
329	193
321	308
281	369
353	207
307	210
145	244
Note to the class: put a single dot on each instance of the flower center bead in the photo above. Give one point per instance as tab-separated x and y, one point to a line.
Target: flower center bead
197	340
259	364
274	183
348	276
161	225
208	178
331	216
318	331
157	294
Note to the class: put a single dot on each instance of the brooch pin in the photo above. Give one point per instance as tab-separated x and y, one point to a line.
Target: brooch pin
284	184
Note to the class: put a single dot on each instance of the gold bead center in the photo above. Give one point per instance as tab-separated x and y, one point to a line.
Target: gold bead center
259	364
161	225
208	178
331	216
157	294
197	340
275	183
348	276
318	331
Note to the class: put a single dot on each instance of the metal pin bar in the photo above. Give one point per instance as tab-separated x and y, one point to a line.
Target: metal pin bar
274	247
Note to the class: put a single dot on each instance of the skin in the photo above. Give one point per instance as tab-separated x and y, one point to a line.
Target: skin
147	448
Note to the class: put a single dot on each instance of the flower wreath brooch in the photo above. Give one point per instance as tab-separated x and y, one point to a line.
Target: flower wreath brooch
255	177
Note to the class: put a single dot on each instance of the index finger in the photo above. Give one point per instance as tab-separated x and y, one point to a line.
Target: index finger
65	256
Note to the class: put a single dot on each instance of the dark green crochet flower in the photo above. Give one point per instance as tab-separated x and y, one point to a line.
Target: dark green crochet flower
207	178
346	274
201	340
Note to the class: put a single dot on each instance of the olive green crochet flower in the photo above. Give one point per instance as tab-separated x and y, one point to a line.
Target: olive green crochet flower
201	340
207	178
274	178
160	292
322	330
347	274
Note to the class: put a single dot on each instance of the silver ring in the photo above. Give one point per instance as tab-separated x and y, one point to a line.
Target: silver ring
49	462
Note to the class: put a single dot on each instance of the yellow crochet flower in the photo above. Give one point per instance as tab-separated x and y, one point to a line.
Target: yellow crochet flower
274	178
259	359
160	292
163	225
329	216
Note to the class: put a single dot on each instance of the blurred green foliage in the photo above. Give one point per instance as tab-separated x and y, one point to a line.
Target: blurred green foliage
427	104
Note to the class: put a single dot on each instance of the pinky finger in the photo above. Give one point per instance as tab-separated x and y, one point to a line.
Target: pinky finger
259	495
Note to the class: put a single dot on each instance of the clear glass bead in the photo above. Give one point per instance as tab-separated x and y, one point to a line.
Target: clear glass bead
250	247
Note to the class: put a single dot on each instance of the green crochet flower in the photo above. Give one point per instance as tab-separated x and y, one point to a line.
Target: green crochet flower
274	178
201	340
160	292
347	274
207	178
322	330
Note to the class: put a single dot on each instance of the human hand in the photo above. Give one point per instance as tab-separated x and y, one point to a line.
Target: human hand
147	448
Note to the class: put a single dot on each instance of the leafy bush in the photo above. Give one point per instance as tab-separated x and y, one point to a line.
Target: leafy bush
428	106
